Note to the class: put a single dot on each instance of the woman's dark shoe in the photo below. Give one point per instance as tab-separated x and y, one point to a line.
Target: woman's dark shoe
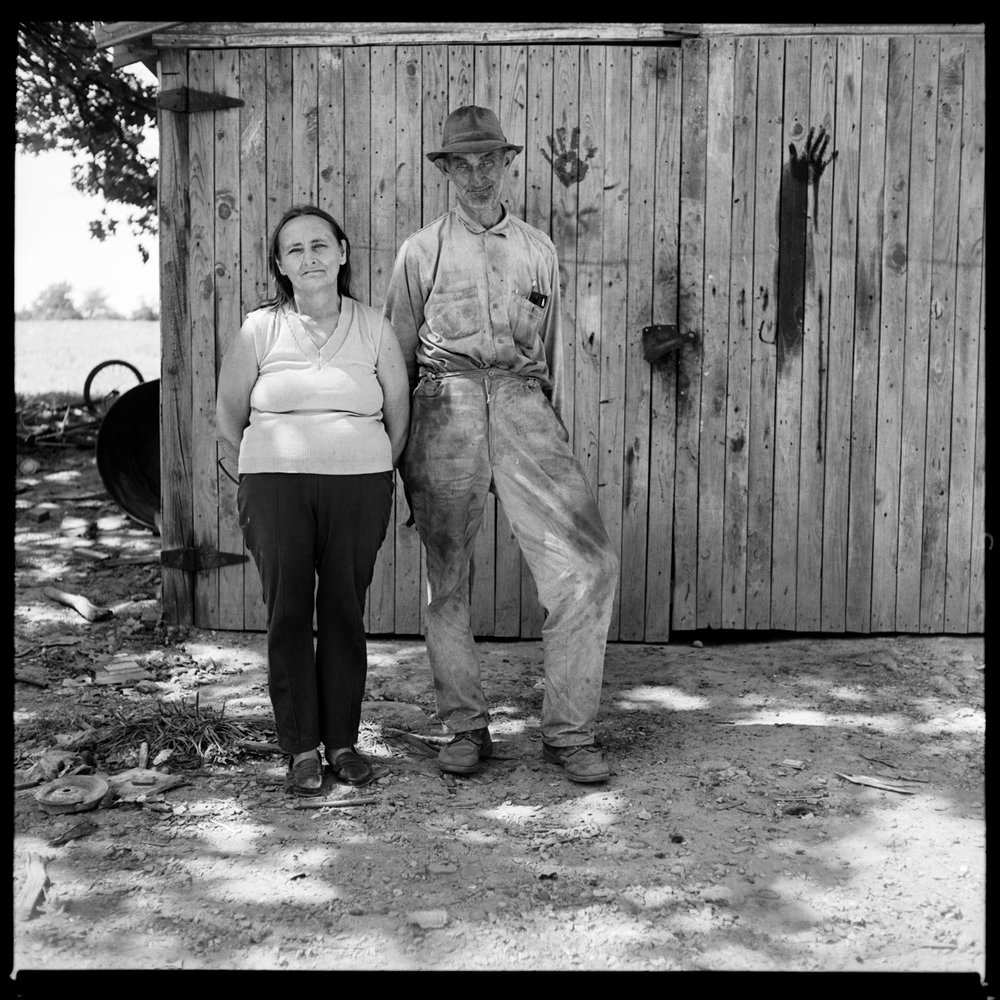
348	765
305	777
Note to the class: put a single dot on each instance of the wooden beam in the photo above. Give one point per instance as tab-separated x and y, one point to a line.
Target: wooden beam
709	30
221	34
108	34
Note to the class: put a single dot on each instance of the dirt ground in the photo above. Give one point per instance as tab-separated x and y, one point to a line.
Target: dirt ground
743	827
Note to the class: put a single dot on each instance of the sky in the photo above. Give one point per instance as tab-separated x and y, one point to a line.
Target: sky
52	241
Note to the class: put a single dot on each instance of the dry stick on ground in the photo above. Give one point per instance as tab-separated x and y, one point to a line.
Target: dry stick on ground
25	679
361	800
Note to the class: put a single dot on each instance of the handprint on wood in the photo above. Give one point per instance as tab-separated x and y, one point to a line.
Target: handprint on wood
809	167
801	172
565	160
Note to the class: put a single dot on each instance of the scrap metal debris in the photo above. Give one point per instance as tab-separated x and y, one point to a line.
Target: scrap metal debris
138	783
71	794
57	763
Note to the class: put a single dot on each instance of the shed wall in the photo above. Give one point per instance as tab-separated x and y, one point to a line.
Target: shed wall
812	460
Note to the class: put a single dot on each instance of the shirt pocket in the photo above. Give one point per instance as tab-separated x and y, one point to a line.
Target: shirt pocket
453	313
525	321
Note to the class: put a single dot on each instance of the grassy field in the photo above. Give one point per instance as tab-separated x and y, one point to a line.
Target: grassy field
54	356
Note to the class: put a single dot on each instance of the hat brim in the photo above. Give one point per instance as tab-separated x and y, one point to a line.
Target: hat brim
477	146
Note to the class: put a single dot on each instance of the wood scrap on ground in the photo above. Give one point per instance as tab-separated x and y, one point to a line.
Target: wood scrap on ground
360	800
864	779
33	891
78	603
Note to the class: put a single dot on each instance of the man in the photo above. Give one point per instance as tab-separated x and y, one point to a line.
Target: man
474	302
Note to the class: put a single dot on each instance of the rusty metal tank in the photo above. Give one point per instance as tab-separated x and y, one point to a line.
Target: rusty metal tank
128	453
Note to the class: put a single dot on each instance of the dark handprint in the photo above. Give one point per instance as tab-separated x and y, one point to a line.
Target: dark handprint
809	168
566	162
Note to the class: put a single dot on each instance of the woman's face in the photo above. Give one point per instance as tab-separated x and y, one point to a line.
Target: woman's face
309	254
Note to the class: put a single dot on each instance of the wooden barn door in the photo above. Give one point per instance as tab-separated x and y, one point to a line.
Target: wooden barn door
347	128
829	466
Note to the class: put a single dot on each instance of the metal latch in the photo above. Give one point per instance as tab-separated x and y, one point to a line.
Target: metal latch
186	100
197	559
660	339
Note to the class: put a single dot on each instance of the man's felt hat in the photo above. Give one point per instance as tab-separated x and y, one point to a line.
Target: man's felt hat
472	130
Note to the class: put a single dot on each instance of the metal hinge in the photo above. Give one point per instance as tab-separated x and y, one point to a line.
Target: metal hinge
186	100
660	339
196	560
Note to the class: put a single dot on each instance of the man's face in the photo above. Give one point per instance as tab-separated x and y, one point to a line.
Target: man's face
478	177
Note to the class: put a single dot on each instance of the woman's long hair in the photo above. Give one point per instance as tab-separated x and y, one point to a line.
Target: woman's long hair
284	292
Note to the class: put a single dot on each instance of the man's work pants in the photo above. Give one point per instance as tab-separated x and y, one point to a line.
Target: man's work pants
471	433
314	540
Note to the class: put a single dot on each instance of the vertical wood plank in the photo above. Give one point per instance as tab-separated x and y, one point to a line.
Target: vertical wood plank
358	183
486	94
663	384
177	586
434	189
511	111
565	204
434	110
201	310
305	125
280	191
895	219
867	295
593	153
760	473
330	134
409	182
934	553
384	125
358	94
357	166
790	343
977	567
564	226
918	279
461	90
253	238
690	360
639	284
840	373
734	543
228	316
715	344
815	349
538	213
961	567
614	302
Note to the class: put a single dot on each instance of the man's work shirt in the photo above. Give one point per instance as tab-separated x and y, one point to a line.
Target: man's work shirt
460	300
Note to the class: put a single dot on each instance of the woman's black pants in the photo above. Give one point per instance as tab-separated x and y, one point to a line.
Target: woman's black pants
314	539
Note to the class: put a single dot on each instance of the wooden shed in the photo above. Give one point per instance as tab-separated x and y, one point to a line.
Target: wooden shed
809	454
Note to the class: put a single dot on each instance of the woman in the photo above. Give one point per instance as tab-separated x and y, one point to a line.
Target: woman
312	410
